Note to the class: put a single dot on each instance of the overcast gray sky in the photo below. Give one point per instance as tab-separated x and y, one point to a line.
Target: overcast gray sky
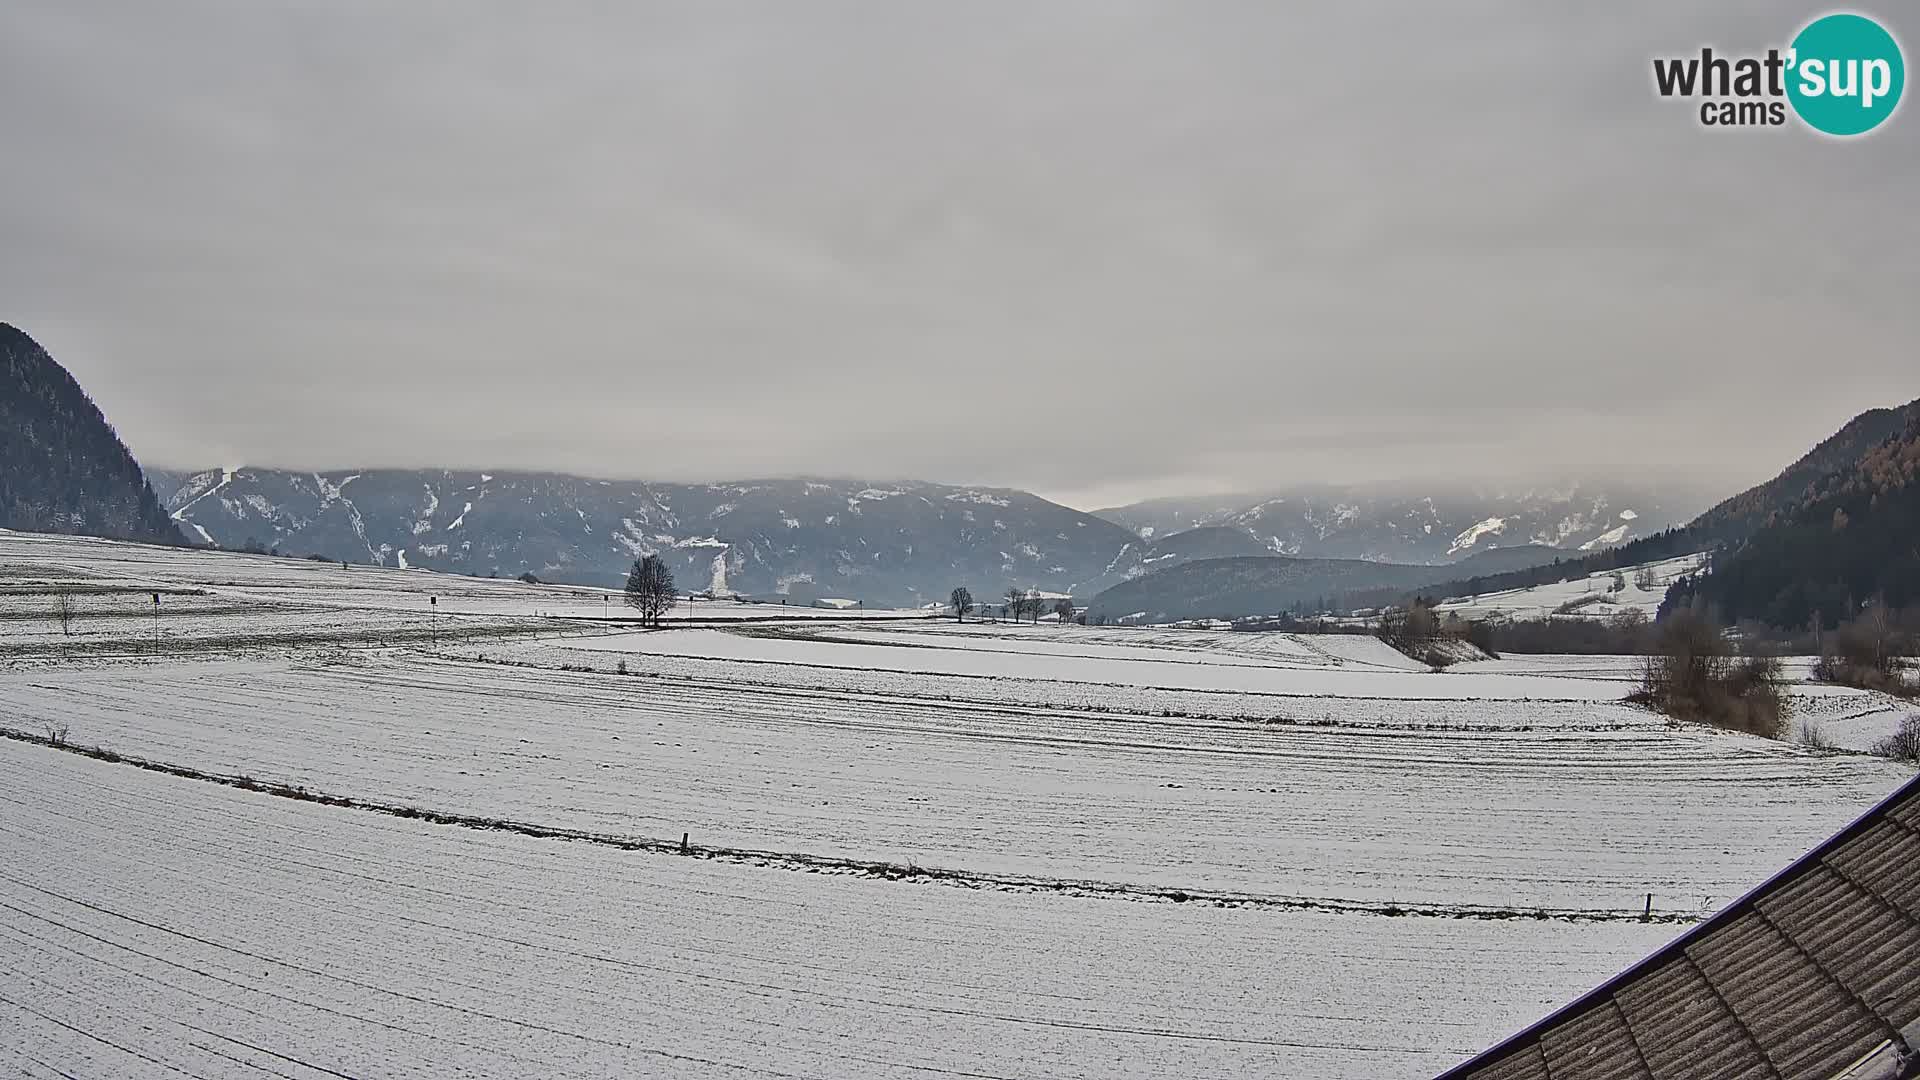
1100	250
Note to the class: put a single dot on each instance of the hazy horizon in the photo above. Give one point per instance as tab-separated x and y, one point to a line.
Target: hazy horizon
1098	252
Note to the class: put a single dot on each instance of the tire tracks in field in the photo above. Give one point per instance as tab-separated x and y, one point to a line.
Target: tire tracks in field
1278	695
1204	658
98	1038
828	997
1003	706
808	862
1404	761
414	999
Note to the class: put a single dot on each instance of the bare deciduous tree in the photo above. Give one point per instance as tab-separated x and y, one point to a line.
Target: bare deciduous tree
1867	651
1027	604
1063	608
962	602
1880	630
650	589
63	609
1903	744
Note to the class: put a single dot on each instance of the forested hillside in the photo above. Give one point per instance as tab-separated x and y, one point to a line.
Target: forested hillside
62	468
1850	536
1735	518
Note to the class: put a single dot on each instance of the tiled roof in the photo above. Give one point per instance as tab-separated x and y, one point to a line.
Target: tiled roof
1806	976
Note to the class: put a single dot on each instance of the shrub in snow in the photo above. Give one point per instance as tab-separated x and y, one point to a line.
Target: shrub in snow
1904	744
1693	675
1814	737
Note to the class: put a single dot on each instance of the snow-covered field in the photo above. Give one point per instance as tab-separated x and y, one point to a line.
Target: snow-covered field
1507	820
1849	719
1352	702
157	926
914	848
1375	670
29	558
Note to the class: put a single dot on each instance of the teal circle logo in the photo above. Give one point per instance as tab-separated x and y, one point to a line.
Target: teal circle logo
1845	74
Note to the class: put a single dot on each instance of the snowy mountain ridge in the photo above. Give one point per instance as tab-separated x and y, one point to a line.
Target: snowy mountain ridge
890	542
1355	523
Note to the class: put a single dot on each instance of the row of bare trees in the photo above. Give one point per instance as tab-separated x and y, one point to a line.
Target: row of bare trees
1021	604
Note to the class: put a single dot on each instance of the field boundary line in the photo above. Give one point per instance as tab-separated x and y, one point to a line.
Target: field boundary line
807	862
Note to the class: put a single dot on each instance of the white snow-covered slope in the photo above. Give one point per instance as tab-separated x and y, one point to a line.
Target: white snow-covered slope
1639	588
